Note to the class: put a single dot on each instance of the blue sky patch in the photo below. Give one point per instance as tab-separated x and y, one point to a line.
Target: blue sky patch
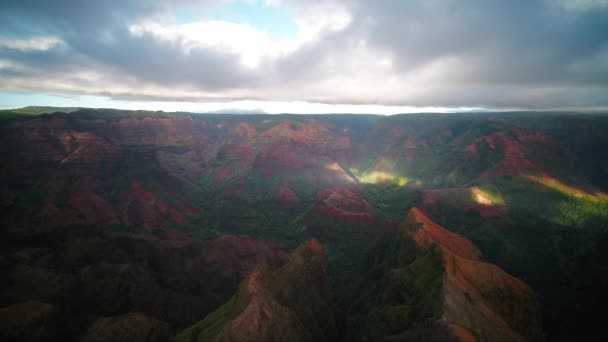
274	20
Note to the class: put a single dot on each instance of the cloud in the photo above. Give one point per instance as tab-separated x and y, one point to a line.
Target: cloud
250	44
448	53
41	43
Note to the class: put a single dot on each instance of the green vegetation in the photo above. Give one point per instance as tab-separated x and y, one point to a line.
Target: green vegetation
299	287
390	200
13	115
264	125
583	213
411	295
209	327
37	110
113	114
376	177
546	229
303	288
399	289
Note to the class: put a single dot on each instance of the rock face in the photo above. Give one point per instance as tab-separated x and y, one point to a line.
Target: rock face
291	303
479	298
436	286
427	233
263	317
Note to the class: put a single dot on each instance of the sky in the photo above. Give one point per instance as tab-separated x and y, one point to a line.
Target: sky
313	56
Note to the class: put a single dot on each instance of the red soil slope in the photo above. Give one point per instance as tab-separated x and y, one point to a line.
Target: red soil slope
268	305
343	206
431	233
480	300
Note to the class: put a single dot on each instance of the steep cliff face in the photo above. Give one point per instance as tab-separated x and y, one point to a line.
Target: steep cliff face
427	233
291	303
435	285
479	298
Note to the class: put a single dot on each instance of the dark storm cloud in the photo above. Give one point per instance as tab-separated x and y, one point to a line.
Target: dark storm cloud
75	16
517	53
506	53
149	59
517	41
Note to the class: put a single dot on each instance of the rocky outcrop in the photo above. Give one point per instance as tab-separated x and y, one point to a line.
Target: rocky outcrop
291	303
344	206
478	297
436	286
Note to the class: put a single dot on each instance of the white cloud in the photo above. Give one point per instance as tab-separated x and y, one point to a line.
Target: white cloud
251	44
42	43
314	19
10	65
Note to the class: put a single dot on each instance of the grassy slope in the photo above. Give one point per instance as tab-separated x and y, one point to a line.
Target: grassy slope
398	293
211	325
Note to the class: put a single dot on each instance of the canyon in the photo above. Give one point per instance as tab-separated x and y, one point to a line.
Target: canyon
149	225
